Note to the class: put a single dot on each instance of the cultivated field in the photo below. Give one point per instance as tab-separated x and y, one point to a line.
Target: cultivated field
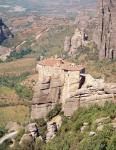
19	66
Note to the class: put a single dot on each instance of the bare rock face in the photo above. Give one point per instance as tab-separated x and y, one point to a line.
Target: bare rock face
33	130
94	91
53	126
5	33
105	33
47	93
70	87
71	44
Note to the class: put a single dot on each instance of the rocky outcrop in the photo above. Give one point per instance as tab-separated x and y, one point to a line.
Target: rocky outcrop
92	92
5	33
32	129
105	32
57	81
47	93
52	127
71	44
63	82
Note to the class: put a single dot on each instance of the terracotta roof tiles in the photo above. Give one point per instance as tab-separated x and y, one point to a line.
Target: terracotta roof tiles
64	65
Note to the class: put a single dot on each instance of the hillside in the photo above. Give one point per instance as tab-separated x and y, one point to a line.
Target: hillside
55	92
88	129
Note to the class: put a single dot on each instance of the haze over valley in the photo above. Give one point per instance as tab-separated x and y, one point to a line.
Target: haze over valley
57	75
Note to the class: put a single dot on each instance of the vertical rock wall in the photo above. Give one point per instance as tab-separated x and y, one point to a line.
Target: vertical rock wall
54	86
5	33
71	44
105	34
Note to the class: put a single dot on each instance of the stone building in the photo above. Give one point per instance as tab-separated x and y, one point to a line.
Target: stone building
63	82
58	80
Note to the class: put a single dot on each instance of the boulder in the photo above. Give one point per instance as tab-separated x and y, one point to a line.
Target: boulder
53	126
92	133
100	128
26	138
32	129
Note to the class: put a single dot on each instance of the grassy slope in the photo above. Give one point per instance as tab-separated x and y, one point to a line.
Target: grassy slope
8	96
70	137
53	41
18	113
18	66
88	56
12	108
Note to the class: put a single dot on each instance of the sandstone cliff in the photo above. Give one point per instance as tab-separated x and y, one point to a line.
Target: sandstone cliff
5	33
105	33
68	86
71	44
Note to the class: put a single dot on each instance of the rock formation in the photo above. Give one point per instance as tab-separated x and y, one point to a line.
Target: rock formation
71	44
5	33
58	80
93	91
62	82
53	126
105	33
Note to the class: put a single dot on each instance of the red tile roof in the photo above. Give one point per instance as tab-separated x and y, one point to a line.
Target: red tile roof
64	65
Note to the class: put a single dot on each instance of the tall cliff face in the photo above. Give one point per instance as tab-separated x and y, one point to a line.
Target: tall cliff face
105	33
71	44
5	33
63	84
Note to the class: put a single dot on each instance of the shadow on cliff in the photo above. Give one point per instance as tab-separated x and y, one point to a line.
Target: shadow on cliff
5	33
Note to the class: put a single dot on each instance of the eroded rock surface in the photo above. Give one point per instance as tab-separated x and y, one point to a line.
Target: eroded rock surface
105	33
71	44
62	82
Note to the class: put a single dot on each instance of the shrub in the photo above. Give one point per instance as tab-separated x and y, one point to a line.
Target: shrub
24	92
54	112
13	82
2	131
18	55
42	126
